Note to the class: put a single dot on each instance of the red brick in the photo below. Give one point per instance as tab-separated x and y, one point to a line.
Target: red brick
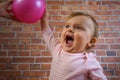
28	29
9	35
34	66
99	2
5	60
56	18
20	78
2	41
17	29
12	67
73	2
84	7
110	2
0	46
118	53
102	23
33	73
109	73
105	17
10	78
2	66
3	23
23	60
118	73
37	28
10	74
110	34
25	40
44	59
111	40
6	29
115	78
117	29
39	35
92	2
44	79
33	78
103	8
55	7
114	17
94	7
46	53
100	53
13	47
117	12
101	46
103	12
14	41
24	53
12	53
35	53
114	23
35	24
100	40
2	78
3	53
66	12
113	66
35	47
26	35
112	7
55	2
111	59
45	66
35	40
58	29
23	66
57	23
115	46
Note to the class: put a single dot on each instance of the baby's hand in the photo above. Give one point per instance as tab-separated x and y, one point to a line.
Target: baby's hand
6	10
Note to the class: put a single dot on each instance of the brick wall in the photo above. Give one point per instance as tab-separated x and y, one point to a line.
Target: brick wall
23	53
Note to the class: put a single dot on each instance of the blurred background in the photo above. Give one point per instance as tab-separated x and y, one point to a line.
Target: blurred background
24	55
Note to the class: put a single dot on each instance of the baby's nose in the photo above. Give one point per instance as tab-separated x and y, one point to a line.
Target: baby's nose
71	30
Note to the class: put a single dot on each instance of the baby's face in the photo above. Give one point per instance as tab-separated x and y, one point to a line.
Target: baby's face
77	34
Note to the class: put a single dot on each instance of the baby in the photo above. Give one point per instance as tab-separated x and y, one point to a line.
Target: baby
71	58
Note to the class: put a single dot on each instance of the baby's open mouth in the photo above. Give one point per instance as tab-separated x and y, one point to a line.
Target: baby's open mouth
69	40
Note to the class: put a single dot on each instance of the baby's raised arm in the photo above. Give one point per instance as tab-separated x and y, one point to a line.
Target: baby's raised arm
44	21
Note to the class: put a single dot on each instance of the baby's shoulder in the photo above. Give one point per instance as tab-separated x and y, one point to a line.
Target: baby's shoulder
91	54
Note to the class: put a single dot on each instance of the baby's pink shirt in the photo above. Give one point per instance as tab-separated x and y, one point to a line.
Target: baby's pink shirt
67	66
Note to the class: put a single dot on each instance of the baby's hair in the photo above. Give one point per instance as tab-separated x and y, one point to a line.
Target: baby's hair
84	14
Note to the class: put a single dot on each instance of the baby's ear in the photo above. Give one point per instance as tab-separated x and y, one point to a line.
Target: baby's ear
92	42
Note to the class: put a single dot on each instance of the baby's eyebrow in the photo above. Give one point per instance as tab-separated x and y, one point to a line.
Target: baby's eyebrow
80	25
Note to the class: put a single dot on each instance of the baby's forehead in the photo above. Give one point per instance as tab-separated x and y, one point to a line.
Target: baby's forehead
80	20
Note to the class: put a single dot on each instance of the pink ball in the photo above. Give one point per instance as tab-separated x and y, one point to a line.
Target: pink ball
28	11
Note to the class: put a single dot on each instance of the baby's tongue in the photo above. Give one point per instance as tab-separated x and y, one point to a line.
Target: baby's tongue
70	42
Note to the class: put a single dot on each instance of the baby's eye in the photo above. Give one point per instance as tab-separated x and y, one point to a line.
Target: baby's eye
80	28
67	26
